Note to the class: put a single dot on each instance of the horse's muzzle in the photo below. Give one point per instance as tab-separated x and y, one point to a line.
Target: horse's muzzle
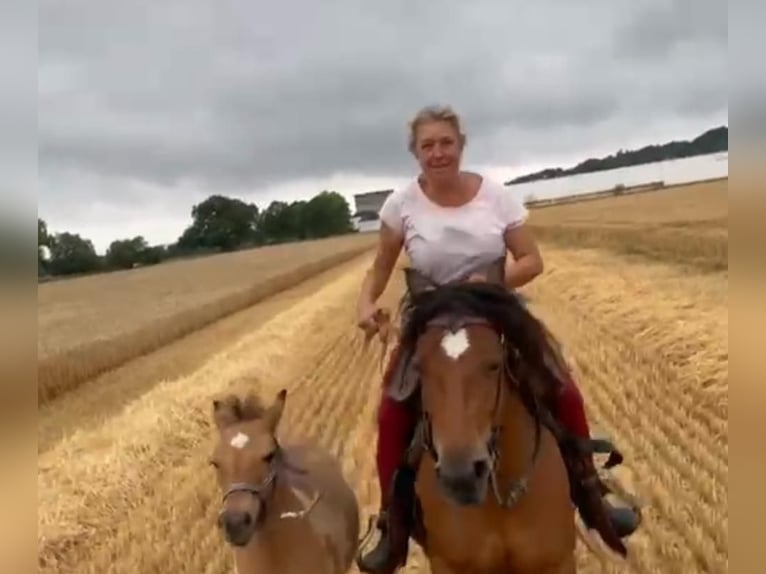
238	526
464	479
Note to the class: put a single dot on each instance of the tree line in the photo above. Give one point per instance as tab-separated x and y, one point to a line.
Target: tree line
219	224
712	141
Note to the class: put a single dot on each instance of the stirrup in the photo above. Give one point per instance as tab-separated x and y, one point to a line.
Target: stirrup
375	523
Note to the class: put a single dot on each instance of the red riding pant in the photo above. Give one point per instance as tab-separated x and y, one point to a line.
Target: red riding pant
397	420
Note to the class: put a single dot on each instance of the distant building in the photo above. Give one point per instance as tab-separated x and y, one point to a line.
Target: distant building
367	207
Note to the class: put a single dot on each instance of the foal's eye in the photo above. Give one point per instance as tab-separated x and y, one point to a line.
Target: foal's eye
212	462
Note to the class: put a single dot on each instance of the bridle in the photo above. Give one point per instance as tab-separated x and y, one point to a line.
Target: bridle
517	487
262	490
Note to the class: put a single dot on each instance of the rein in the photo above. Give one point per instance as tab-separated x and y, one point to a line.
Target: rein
518	487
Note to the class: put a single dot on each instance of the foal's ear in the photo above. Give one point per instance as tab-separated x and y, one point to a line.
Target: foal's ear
226	411
417	282
274	413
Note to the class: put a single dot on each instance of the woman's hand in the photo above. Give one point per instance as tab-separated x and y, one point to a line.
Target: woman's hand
372	319
367	314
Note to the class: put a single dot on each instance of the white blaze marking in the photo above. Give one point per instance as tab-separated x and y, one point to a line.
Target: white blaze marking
239	440
455	344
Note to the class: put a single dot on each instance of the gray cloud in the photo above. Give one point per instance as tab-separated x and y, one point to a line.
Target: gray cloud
661	26
245	95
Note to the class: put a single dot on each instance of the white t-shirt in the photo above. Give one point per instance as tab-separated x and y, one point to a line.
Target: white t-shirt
449	243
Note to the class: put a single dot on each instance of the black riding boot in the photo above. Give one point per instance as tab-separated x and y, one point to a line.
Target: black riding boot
395	524
588	493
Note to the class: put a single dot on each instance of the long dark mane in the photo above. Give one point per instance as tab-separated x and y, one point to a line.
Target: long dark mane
530	355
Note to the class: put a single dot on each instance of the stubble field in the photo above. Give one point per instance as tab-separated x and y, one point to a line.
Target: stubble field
92	324
123	481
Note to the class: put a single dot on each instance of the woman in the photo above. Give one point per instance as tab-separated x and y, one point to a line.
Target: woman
452	223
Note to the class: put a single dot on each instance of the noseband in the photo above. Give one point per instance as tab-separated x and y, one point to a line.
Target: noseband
261	491
256	490
519	486
264	489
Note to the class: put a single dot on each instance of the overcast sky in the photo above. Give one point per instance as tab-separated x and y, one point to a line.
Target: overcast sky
147	107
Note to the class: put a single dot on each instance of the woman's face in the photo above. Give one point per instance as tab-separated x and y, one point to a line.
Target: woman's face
438	149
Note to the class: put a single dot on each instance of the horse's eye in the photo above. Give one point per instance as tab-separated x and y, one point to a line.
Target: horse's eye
493	367
269	457
213	463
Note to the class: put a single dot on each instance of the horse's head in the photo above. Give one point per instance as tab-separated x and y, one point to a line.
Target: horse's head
462	337
245	457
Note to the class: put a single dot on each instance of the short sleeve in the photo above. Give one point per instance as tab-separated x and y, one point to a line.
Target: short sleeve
512	209
391	211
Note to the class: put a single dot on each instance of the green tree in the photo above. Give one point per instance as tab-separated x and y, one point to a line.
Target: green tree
282	221
70	254
712	141
221	223
126	253
326	214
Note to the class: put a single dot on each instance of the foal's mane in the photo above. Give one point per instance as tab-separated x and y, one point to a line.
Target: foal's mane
529	348
247	408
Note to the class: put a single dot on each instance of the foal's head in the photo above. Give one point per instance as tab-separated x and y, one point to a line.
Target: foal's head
467	340
245	457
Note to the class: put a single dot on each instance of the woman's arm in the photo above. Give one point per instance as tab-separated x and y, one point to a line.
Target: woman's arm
527	262
389	247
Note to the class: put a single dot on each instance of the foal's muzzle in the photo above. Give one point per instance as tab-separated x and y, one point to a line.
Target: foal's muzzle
244	506
238	526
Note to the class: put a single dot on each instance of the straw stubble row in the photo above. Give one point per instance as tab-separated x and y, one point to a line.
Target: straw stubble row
675	454
148	463
160	515
68	361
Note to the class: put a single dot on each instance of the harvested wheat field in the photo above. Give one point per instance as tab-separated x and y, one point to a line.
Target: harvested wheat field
124	485
684	225
91	324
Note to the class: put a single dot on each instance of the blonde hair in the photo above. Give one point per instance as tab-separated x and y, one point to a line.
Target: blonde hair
434	113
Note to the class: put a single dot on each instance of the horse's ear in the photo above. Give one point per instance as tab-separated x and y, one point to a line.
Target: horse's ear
226	411
274	413
416	282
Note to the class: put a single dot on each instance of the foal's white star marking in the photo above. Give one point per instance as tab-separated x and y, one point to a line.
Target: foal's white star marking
239	440
455	344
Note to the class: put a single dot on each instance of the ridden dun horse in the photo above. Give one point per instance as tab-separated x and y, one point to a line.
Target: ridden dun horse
492	488
287	509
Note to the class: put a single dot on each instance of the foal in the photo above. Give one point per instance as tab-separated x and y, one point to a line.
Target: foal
286	509
494	489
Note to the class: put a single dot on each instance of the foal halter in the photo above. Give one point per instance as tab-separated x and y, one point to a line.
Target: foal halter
263	490
519	486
